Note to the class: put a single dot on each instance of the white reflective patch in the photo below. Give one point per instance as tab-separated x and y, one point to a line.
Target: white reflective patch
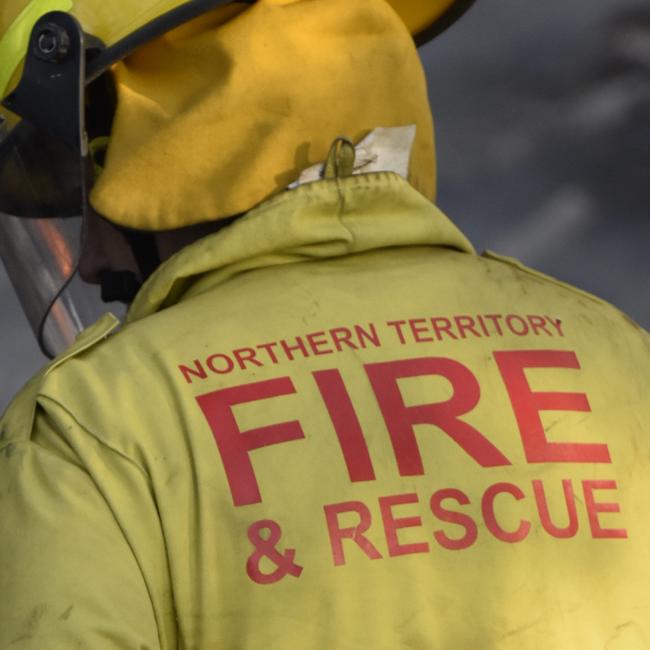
382	150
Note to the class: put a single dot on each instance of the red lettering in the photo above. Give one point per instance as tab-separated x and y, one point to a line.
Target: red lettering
211	363
481	322
397	325
557	324
401	419
466	324
341	335
418	328
318	343
246	354
442	325
523	325
495	318
268	347
542	507
346	425
370	335
487	507
355	533
198	371
594	507
527	404
298	347
392	525
453	517
235	445
538	323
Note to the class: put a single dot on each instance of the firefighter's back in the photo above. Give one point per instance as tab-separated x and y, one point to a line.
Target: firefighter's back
348	443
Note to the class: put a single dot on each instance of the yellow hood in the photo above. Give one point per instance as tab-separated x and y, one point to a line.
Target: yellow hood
217	116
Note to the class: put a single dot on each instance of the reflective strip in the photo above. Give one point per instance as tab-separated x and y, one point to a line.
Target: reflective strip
14	41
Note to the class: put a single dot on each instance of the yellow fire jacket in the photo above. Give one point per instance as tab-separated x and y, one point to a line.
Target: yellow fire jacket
333	425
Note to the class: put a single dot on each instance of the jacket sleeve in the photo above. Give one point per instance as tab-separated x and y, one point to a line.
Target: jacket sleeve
68	576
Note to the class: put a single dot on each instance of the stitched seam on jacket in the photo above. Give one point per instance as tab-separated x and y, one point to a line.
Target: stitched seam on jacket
93	435
159	623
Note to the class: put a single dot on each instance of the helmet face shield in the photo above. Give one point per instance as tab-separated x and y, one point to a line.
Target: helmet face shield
42	179
41	155
39	175
41	258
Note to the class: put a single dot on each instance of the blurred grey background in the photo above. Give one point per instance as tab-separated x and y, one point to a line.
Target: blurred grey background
543	123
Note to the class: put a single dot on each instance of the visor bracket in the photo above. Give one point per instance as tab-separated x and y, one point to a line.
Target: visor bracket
50	93
52	43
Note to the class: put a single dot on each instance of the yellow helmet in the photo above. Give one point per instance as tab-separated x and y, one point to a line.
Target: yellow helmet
104	32
133	22
53	56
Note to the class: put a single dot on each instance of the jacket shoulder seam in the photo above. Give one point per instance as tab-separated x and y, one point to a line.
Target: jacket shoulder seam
18	419
94	435
513	262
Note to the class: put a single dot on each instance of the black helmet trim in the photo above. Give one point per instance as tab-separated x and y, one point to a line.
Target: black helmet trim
455	11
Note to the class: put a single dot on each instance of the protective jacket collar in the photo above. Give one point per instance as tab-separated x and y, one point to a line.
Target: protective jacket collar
324	219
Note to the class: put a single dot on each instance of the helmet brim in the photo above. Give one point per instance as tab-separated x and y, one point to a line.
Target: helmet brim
438	19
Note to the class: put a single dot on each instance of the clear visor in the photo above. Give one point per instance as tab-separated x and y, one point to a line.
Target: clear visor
41	258
39	175
41	183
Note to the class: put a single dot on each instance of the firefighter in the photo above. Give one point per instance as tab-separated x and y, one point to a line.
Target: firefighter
325	422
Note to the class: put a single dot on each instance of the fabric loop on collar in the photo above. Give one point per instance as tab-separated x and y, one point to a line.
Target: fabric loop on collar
340	159
256	109
318	220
